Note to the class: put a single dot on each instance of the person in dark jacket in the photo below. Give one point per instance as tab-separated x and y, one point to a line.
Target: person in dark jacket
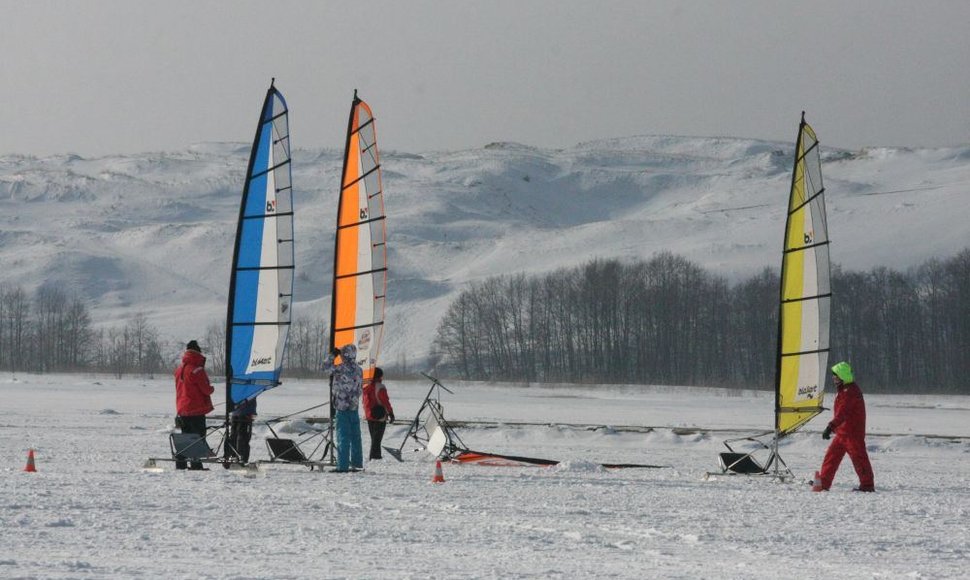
849	426
240	430
192	396
377	410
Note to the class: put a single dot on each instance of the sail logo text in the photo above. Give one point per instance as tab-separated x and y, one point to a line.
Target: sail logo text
261	361
807	392
271	206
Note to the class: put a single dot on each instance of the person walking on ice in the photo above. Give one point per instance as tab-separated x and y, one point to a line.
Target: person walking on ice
849	426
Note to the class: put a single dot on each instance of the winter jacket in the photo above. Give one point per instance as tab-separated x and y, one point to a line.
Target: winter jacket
347	379
849	413
192	388
375	394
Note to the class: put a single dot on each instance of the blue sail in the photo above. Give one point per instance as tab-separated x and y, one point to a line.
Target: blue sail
261	283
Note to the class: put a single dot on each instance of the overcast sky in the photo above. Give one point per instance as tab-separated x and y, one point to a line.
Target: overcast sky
101	77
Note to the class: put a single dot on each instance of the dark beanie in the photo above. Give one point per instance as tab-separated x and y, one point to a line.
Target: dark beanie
193	345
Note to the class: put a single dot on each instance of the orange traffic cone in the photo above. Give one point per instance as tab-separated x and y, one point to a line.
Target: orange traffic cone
438	476
30	462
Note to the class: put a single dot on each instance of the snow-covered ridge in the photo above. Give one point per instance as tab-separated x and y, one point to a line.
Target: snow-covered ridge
152	232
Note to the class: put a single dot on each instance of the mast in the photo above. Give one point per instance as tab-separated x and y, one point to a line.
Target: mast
781	281
336	243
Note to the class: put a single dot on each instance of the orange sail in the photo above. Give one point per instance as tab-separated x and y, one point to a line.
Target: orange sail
360	252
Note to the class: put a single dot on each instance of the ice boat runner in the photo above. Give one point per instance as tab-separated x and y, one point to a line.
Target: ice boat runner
803	316
434	434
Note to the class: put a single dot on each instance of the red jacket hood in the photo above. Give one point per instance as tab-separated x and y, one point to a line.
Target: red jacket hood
193	358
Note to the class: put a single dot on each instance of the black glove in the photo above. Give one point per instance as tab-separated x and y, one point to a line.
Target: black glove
827	434
335	352
390	419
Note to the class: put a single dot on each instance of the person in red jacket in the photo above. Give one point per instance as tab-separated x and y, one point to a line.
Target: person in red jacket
192	396
849	425
377	411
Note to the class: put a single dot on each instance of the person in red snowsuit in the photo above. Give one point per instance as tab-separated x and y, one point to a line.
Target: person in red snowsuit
849	426
377	411
192	396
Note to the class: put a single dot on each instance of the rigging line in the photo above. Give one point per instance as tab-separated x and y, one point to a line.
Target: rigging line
354	182
260	268
807	151
376	194
286	241
808	247
281	139
273	168
361	223
280	323
267	215
369	147
364	273
361	127
726	209
359	326
829	295
805	352
927	188
807	201
284	188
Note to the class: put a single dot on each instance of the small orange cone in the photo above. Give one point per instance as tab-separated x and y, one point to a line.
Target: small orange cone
30	462
438	476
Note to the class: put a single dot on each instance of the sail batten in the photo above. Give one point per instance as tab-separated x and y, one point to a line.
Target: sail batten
805	293
261	282
360	258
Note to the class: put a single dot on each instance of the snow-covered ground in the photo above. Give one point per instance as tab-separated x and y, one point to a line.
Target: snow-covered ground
90	511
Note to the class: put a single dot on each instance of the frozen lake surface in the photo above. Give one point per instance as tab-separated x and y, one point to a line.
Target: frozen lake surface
90	511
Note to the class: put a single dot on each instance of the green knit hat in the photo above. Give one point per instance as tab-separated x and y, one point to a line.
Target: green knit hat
843	371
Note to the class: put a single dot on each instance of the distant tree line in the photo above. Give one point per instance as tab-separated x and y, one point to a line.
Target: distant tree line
53	332
307	346
668	321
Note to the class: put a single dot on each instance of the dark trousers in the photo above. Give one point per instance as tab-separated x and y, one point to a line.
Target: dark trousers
376	429
194	424
237	443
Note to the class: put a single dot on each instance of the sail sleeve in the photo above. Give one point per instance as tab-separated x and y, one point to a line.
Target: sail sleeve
261	284
360	261
805	293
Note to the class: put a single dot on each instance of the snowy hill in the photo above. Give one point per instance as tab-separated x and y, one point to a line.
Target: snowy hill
153	232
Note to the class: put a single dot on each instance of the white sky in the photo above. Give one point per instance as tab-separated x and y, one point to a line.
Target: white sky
103	77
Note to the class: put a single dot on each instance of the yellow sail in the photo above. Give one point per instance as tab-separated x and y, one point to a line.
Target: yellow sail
805	310
360	257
